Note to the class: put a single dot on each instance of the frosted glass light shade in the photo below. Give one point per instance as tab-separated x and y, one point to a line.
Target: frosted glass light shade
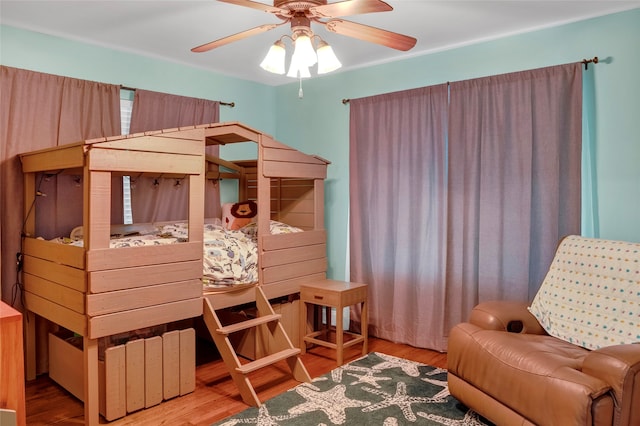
304	51
296	68
304	72
274	61
327	59
293	68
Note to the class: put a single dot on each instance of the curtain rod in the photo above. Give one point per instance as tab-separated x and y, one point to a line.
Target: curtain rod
229	104
586	63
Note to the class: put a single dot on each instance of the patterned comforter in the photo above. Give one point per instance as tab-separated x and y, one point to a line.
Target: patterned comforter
230	257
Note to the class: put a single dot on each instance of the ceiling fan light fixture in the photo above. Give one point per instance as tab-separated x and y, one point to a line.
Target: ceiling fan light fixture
304	50
274	61
327	59
300	14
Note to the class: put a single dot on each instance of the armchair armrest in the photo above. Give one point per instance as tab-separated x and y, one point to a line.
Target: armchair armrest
503	315
619	366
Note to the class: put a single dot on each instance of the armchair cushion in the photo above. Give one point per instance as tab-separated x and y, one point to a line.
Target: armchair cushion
538	376
591	294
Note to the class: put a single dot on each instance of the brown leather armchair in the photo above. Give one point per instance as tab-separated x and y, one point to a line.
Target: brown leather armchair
505	366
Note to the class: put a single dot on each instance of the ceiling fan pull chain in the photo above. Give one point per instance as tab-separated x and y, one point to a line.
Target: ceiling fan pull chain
300	92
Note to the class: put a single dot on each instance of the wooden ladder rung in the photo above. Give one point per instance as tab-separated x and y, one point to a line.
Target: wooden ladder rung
267	360
279	344
250	323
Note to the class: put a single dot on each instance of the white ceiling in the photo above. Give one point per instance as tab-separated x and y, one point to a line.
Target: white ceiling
169	29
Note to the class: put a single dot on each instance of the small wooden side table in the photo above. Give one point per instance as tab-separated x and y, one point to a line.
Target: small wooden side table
334	294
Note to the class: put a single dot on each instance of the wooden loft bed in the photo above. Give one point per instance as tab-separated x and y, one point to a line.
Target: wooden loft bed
94	290
288	186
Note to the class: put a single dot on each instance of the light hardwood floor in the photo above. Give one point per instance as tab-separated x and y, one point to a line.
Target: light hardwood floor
215	397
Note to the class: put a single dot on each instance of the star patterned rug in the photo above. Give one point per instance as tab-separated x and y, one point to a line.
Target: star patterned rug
375	390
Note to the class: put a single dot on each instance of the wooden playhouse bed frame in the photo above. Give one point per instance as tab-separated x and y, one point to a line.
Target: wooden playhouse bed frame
97	291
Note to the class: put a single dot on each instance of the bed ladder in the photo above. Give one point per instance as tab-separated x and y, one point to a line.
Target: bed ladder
282	349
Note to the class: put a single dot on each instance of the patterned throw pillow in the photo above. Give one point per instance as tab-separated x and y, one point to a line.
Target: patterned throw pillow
591	295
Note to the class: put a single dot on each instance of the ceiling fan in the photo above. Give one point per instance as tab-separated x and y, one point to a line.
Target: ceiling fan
300	13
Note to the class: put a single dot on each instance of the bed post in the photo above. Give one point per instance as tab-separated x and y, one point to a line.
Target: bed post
91	381
264	204
196	206
97	225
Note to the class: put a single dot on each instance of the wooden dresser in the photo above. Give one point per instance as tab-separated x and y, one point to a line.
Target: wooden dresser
12	363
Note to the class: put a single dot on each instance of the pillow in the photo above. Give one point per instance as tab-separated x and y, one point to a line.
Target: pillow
275	228
591	295
77	233
237	215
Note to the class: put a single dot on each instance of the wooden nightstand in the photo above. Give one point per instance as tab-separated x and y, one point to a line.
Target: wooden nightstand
333	294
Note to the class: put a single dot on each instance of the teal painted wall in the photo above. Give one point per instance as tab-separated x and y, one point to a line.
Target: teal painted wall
319	123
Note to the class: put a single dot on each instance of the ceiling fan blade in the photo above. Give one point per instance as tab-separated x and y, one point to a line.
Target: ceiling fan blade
235	37
349	7
371	34
255	5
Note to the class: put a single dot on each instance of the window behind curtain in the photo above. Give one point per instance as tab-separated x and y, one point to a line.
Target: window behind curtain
435	230
397	163
155	111
126	106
